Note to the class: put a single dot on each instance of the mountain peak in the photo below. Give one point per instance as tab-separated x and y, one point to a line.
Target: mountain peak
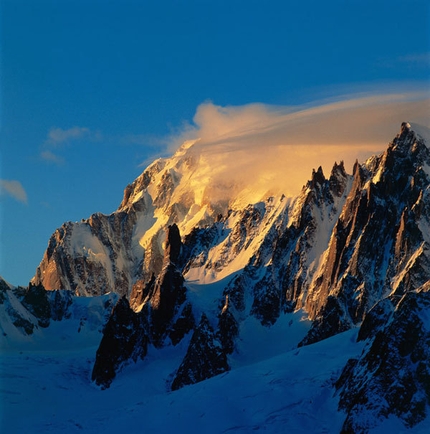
409	139
406	126
422	132
188	243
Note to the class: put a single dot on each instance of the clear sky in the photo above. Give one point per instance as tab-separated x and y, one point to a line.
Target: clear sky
92	91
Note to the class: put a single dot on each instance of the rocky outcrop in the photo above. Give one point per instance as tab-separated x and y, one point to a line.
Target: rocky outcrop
392	375
160	313
205	357
60	301
331	321
163	302
379	243
228	328
35	300
92	257
297	246
335	251
27	308
182	324
162	299
25	311
14	313
124	339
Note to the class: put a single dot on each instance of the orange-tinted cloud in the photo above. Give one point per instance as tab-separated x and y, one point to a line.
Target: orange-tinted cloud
274	149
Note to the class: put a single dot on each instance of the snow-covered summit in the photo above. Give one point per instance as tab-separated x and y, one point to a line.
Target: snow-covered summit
189	189
422	131
223	273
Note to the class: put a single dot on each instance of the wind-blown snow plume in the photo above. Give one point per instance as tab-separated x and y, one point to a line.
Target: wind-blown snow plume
273	149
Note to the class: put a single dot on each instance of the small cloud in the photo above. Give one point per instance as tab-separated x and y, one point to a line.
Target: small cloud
50	157
59	138
13	189
417	59
59	135
413	60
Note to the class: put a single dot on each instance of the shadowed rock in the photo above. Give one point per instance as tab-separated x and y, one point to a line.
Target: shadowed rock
205	357
123	339
392	375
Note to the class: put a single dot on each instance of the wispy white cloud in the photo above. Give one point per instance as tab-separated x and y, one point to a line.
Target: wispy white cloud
50	157
59	135
416	59
272	148
412	60
58	138
13	189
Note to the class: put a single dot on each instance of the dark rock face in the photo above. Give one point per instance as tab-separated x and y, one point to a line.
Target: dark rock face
182	324
140	292
166	297
83	273
25	323
228	328
335	251
205	357
267	301
287	280
235	291
392	375
331	321
162	313
60	301
36	301
377	317
377	246
124	339
173	244
196	246
163	296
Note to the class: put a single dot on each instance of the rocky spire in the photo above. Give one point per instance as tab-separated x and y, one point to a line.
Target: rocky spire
205	357
173	244
123	340
317	177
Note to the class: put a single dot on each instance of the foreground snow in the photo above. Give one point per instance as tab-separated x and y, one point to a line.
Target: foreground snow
272	245
45	389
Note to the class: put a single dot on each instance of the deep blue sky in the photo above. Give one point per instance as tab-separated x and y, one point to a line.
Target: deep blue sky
91	89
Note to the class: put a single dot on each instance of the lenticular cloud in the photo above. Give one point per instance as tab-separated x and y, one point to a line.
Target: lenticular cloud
275	148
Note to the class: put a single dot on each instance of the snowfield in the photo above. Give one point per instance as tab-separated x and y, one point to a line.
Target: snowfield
46	388
331	255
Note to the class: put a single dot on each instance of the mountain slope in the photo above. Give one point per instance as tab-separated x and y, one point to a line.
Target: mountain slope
199	265
379	244
392	375
288	390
